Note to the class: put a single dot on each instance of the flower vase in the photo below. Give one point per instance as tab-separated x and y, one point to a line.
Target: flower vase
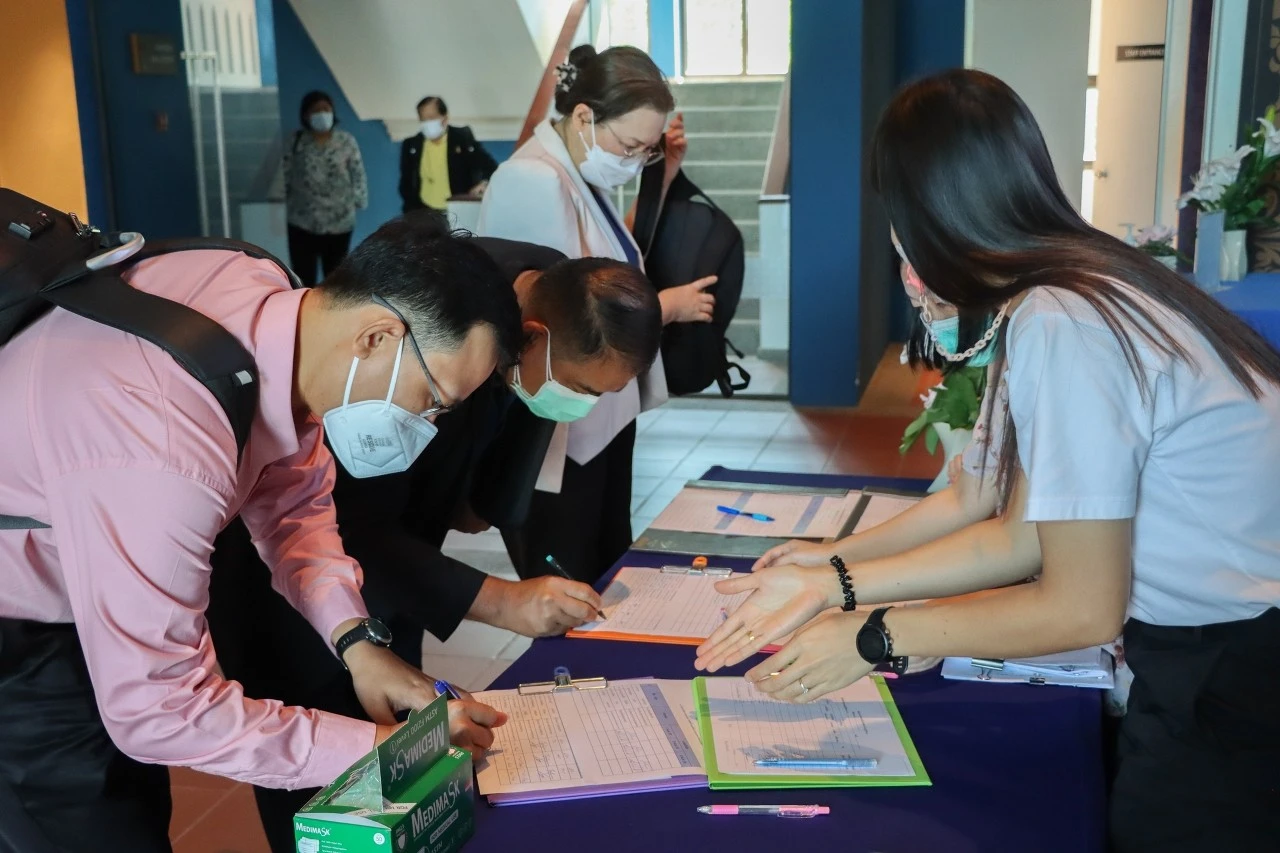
1169	261
1208	262
953	443
1235	255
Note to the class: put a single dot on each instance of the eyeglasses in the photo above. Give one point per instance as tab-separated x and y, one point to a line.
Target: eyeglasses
646	156
439	407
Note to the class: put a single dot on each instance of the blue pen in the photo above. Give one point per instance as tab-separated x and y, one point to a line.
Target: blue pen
758	516
830	763
444	688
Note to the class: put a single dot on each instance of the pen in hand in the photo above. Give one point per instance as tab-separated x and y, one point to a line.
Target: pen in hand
559	569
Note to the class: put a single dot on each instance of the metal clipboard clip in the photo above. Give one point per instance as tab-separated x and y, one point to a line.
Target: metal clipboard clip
708	571
562	682
985	667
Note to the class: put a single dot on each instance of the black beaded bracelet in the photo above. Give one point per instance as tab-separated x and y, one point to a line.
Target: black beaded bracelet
842	572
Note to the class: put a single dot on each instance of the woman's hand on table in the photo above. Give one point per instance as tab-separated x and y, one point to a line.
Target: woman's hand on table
822	657
797	552
782	599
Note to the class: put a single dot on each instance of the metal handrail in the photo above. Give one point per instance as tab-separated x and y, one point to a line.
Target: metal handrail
547	88
778	163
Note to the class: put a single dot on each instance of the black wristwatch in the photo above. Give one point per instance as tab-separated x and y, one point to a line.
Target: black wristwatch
875	645
372	630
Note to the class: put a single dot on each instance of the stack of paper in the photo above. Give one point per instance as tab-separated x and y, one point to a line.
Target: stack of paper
741	726
656	606
1091	667
628	737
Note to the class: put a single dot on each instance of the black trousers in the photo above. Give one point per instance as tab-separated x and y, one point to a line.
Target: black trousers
587	526
64	786
307	250
1198	754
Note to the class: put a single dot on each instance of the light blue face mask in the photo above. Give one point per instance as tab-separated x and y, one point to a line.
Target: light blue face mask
945	336
554	402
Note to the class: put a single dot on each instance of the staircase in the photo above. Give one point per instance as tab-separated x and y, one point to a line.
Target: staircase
730	124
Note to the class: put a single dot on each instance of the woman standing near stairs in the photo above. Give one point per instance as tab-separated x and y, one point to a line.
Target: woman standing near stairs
554	191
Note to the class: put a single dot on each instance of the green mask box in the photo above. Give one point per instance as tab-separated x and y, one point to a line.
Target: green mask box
413	794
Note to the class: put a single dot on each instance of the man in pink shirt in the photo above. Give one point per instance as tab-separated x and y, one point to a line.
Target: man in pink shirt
107	671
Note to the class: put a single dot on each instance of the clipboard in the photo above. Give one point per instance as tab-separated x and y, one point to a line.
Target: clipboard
688	543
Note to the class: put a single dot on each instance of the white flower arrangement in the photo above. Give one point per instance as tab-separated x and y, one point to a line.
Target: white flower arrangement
1234	184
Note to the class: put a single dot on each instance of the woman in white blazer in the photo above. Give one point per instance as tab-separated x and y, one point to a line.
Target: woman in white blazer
554	191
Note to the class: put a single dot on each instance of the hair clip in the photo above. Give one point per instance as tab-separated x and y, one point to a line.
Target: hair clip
566	74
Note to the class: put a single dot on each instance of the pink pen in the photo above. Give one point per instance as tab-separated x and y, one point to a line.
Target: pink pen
768	811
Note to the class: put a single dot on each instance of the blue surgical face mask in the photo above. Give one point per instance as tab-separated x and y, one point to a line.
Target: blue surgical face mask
321	122
945	337
554	401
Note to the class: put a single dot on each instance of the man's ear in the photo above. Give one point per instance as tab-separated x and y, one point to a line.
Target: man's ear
376	330
533	329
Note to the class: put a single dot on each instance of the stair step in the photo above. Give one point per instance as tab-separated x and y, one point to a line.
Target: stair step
741	145
745	93
728	175
748	309
722	119
745	335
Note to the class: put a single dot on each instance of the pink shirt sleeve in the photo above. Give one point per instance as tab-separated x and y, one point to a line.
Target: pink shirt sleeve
291	518
134	544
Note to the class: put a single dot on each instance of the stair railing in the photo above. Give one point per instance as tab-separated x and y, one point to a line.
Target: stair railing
778	164
547	88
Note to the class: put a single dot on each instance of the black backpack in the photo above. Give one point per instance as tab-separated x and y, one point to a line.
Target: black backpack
49	258
684	238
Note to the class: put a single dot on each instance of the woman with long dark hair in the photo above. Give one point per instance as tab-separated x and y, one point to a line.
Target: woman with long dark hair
1137	467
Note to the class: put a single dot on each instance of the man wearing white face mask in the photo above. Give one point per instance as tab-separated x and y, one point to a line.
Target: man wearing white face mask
555	191
442	160
591	325
107	669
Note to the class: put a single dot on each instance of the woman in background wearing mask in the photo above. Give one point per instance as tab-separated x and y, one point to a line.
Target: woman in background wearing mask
554	192
441	160
324	185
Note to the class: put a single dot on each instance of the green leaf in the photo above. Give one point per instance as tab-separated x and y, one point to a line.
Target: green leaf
931	441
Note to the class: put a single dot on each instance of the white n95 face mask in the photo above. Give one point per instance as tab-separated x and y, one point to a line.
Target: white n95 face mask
604	169
376	437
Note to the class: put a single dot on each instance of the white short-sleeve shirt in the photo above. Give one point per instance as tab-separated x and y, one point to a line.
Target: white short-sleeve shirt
1196	465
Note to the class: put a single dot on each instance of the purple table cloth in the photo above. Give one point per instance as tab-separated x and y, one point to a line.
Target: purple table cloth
1014	767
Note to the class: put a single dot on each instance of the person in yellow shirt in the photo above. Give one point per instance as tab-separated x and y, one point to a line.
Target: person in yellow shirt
441	160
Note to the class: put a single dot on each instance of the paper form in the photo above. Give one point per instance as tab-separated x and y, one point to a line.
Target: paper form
628	734
795	515
854	722
649	604
880	508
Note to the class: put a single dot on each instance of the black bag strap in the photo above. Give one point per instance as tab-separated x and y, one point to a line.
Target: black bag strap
648	206
154	248
204	349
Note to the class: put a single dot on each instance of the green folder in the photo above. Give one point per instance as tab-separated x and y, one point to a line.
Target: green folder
740	782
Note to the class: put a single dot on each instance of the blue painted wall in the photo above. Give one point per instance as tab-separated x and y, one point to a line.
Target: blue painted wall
153	171
826	183
266	41
662	35
929	38
89	108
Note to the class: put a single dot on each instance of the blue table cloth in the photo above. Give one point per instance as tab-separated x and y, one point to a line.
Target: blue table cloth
1256	300
1014	767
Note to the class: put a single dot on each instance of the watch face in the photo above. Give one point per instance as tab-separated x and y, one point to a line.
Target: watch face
378	632
872	645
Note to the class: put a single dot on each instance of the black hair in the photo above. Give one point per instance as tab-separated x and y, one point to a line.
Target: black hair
598	306
970	189
613	83
438	101
309	100
439	279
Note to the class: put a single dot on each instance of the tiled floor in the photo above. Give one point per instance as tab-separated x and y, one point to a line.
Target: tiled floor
674	444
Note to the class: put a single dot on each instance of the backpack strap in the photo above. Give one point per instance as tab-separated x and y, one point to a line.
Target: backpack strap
648	206
201	346
155	248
